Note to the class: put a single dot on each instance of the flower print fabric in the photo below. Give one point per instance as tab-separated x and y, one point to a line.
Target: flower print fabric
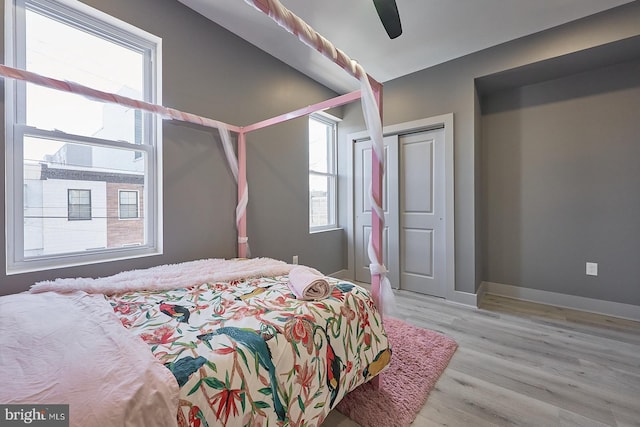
248	352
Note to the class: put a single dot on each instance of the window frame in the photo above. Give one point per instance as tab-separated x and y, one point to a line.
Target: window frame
95	22
331	174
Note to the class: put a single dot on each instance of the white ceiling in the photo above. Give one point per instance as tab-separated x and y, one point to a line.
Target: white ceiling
434	31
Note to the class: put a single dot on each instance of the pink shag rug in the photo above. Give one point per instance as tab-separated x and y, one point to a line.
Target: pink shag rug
419	358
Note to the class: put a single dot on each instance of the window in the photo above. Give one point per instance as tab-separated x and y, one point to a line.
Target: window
128	204
79	204
322	173
67	152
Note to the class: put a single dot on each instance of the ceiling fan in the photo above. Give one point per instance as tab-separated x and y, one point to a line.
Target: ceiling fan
388	13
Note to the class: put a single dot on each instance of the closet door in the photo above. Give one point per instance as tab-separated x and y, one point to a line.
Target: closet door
422	213
362	209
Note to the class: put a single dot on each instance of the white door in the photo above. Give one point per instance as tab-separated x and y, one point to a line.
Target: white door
362	209
422	213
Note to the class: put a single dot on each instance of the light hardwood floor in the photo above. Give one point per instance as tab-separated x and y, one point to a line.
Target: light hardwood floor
525	364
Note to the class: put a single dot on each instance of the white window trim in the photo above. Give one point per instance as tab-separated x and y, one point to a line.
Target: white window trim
14	229
333	187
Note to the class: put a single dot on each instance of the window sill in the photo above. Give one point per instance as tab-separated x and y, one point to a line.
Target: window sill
324	230
62	262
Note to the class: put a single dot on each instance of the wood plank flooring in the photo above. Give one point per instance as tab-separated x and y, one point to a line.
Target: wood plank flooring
525	364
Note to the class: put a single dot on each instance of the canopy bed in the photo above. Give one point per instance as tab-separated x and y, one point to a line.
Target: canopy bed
240	344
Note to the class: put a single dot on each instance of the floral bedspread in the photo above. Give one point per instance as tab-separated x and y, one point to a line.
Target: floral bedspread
247	353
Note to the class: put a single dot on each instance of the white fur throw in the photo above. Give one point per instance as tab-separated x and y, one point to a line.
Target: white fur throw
170	276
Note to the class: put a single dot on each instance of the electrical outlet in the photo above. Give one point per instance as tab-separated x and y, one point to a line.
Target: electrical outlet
592	269
295	259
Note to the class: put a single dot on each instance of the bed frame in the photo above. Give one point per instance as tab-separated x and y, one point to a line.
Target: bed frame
370	94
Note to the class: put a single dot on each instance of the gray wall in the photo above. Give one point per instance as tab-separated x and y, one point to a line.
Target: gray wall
562	182
210	72
451	88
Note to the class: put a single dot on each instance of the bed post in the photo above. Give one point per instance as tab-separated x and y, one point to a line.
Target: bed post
376	187
242	185
376	222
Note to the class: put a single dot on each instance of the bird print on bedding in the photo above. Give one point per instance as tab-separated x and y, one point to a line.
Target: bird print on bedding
381	360
255	292
178	312
259	349
183	368
264	360
334	368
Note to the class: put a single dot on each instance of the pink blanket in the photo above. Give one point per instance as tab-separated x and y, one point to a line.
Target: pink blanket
308	284
169	276
72	349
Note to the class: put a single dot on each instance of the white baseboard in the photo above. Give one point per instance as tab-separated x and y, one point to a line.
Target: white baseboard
464	298
609	308
341	274
457	297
